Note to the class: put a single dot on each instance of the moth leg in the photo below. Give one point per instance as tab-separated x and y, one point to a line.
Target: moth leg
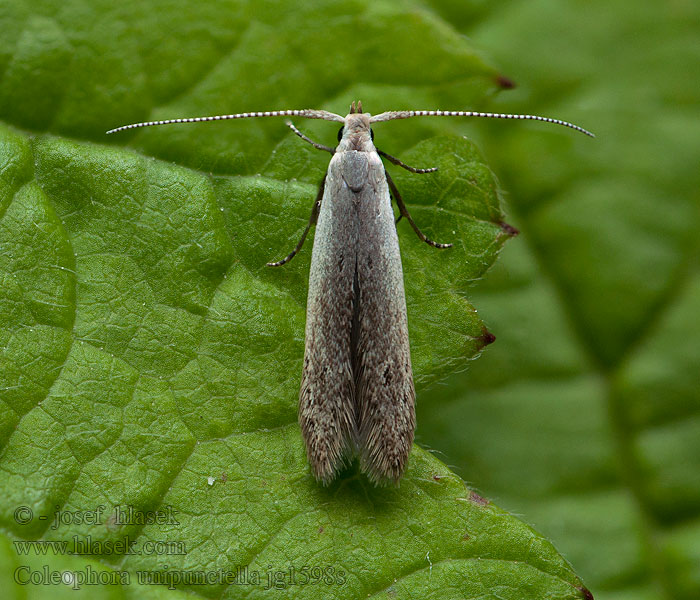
398	163
312	221
404	213
306	139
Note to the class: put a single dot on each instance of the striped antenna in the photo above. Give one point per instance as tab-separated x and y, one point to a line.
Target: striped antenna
329	116
407	114
308	113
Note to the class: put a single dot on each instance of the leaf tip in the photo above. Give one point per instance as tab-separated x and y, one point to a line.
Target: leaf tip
508	229
587	595
505	83
486	337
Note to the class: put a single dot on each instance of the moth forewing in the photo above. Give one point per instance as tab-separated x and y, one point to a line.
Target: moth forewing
385	392
327	411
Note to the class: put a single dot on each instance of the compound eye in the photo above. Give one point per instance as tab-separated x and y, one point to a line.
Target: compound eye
340	133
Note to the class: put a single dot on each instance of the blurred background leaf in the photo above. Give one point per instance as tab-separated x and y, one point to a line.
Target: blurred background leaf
584	416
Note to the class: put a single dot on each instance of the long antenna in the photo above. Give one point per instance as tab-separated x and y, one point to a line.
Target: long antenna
407	114
329	116
308	113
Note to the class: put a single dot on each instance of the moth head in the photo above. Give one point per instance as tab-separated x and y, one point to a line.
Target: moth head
356	108
356	133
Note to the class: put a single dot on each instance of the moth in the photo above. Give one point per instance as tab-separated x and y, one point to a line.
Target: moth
357	396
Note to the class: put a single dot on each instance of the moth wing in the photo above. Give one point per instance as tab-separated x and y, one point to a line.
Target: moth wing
384	378
327	413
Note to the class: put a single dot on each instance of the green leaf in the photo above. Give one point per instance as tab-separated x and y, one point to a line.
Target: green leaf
150	361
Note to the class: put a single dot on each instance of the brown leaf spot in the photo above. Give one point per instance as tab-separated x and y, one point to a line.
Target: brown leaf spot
476	499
